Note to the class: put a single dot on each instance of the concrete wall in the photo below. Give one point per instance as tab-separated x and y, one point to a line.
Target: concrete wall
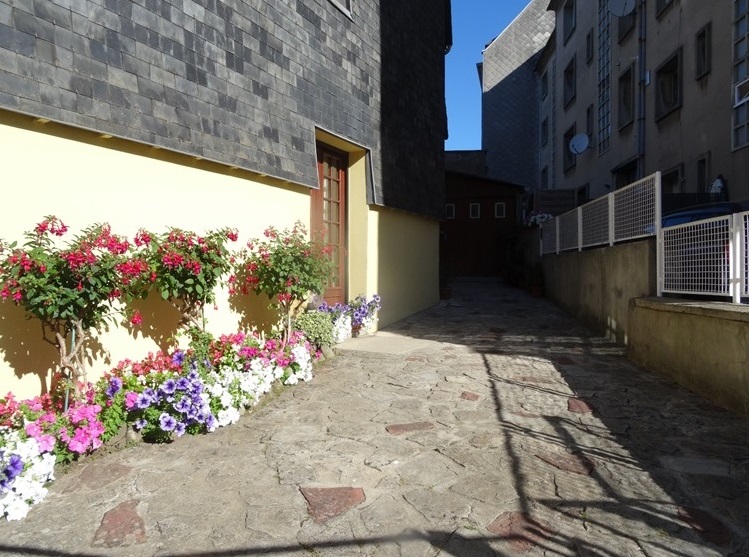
702	346
597	285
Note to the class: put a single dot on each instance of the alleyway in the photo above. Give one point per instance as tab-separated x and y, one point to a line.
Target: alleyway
490	425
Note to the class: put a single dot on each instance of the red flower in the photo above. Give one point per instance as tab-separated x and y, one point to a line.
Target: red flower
136	319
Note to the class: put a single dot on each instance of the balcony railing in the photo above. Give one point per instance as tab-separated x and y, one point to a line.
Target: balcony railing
707	257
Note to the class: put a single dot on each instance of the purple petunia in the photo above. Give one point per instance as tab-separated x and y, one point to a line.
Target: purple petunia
140	424
182	384
114	387
183	405
167	422
180	429
11	471
178	358
169	386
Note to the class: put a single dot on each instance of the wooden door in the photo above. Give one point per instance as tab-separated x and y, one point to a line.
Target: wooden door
329	215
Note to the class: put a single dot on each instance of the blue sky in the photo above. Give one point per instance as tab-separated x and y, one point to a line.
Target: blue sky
475	23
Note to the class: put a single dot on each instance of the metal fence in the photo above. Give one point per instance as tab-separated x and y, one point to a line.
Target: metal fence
626	214
707	257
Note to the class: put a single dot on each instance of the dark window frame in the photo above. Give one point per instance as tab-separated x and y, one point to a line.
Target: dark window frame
544	84
661	6
669	81
449	211
345	6
703	51
544	131
569	82
497	205
626	97
625	25
569	159
569	19
477	206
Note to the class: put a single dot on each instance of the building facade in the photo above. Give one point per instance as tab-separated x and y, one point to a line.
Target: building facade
644	86
509	114
201	114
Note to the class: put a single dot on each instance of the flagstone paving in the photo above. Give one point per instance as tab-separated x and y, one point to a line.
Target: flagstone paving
490	425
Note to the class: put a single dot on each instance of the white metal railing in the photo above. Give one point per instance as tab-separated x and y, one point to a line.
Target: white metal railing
708	257
626	214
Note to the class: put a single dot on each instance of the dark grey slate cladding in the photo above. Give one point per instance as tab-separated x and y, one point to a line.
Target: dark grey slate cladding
242	82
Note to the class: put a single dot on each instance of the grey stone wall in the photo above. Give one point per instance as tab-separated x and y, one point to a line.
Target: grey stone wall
238	82
509	101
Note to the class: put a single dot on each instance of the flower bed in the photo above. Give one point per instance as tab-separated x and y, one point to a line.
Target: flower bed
162	397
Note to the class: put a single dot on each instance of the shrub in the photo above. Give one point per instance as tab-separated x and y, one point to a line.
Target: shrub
316	326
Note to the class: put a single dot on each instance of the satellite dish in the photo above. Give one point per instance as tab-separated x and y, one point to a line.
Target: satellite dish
579	143
620	8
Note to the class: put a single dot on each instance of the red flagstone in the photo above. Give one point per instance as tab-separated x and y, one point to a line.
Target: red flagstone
121	526
466	395
325	503
575	463
579	406
706	525
398	429
521	532
96	475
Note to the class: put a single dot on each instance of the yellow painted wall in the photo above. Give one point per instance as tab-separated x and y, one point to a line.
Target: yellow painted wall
77	176
406	248
85	179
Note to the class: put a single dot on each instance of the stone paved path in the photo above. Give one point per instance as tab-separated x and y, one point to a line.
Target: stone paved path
490	425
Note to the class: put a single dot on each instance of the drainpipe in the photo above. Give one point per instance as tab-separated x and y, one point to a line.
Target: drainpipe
642	13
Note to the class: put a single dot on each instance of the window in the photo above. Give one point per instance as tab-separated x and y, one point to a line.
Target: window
626	98
603	138
661	5
449	211
702	52
589	115
570	83
544	131
474	210
668	86
625	25
583	194
343	5
544	85
568	157
589	47
499	210
671	180
569	19
740	136
544	182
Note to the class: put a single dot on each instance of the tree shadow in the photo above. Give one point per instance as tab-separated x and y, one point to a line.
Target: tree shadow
23	347
640	428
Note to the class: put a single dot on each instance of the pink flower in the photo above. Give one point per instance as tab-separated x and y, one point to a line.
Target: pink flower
33	430
130	399
136	319
46	443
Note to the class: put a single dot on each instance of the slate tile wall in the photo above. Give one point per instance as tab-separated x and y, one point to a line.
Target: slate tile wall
242	82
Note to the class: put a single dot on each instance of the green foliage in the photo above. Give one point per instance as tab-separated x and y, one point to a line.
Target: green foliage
317	327
183	267
286	266
68	288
